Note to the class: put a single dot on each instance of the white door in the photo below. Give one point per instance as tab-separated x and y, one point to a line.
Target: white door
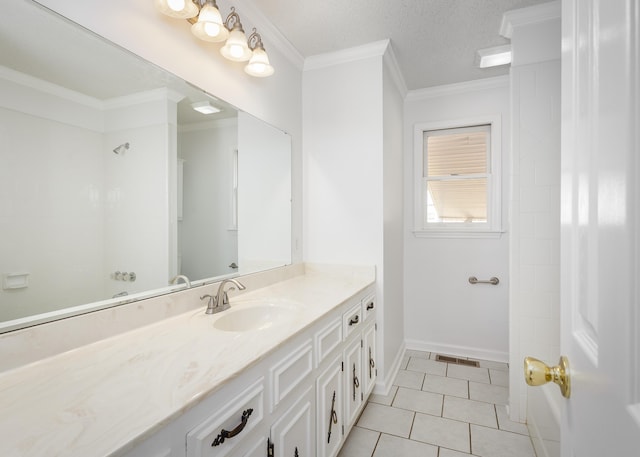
600	227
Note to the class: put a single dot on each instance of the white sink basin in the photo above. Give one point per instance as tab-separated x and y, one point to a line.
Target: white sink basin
254	317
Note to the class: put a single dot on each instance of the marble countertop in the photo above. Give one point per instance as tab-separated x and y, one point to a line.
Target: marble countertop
101	398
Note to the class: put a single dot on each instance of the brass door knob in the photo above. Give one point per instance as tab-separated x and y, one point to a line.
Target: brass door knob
537	373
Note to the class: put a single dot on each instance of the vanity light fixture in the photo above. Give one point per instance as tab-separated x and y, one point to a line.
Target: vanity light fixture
205	107
180	9
207	25
258	65
236	48
493	57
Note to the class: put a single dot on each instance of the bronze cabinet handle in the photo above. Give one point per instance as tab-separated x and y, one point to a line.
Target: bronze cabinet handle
372	363
370	306
356	382
333	417
354	320
224	434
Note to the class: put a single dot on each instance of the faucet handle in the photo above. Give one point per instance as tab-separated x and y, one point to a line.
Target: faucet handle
225	297
212	303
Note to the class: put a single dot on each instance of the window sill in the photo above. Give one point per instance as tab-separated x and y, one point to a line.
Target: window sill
457	233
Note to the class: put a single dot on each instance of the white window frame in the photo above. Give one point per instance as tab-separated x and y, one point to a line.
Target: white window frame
493	227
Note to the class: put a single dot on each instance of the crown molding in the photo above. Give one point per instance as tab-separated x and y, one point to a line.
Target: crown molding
47	87
390	60
530	15
269	33
139	98
375	49
458	88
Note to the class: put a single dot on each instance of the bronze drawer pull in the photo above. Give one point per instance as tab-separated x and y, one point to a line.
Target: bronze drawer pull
224	434
354	320
370	306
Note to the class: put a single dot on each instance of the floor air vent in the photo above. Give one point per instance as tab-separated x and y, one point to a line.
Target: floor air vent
448	359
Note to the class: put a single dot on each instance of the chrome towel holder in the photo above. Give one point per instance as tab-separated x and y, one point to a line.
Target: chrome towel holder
493	280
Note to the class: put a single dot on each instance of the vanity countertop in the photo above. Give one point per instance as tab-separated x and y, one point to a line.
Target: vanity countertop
102	398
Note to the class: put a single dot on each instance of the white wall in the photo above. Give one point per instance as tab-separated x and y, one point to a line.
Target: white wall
349	191
51	220
276	100
264	195
392	270
206	239
443	312
535	211
139	241
70	215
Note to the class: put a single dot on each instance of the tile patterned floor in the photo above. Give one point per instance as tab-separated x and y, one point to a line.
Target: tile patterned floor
438	409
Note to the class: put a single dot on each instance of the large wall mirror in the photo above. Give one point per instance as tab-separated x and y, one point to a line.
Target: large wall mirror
112	184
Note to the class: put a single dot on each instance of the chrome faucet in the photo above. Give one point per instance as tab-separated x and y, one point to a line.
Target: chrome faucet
175	280
220	301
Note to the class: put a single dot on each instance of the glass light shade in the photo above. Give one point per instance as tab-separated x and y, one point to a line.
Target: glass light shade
209	26
180	9
259	64
236	47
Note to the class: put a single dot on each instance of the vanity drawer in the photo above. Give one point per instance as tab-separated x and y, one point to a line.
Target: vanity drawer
222	432
290	372
369	306
327	339
352	319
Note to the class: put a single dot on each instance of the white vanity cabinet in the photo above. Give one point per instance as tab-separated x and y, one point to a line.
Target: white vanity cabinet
299	401
329	416
292	433
345	381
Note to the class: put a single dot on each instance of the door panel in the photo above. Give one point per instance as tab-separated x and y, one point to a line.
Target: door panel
600	241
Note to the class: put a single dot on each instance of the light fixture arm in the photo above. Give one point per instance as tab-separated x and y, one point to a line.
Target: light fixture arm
255	40
233	21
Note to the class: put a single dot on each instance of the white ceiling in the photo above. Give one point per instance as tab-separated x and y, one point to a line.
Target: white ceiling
435	41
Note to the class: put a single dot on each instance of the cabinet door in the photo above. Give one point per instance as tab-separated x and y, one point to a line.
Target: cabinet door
370	372
329	421
292	435
352	379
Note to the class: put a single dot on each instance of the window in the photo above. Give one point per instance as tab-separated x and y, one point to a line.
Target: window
458	179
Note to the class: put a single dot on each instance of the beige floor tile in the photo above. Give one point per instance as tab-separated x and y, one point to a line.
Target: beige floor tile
427	366
386	419
471	400
505	423
499	377
488	442
384	399
449	453
417	400
489	393
474	412
446	386
410	379
441	432
468	373
494	365
404	362
360	443
392	446
417	354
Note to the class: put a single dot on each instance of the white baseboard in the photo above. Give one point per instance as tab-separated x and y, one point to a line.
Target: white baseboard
383	387
458	351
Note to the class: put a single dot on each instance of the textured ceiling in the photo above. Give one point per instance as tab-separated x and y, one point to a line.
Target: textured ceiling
435	41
